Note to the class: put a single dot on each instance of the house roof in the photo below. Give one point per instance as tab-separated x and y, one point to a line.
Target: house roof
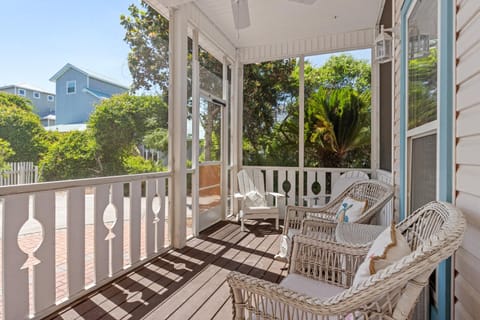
67	127
27	87
97	94
90	74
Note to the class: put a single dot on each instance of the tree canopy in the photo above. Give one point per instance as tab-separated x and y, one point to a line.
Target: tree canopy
21	128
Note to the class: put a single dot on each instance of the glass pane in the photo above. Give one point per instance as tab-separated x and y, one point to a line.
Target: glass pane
337	110
210	130
270	113
422	63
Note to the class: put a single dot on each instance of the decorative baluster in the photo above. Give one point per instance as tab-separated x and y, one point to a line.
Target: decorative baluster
135	220
116	253
100	233
149	219
15	278
75	240
44	273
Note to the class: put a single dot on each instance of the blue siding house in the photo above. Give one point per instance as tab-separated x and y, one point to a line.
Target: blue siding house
42	100
77	92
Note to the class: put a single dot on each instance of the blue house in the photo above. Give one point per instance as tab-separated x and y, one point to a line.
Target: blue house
77	92
42	100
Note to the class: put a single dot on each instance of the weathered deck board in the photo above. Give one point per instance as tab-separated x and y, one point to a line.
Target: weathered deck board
187	283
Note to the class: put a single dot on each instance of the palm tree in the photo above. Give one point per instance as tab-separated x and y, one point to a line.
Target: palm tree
337	124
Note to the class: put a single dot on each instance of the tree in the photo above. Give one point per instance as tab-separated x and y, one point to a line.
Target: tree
5	153
268	89
21	128
146	32
72	156
337	123
121	123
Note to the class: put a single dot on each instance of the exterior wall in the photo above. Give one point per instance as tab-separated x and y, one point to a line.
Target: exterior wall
42	106
105	87
467	262
72	108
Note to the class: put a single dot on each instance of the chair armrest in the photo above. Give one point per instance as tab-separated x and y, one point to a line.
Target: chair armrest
294	215
254	298
326	260
276	194
239	196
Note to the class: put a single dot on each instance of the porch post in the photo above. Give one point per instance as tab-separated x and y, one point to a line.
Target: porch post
178	126
301	128
236	101
375	117
224	141
195	134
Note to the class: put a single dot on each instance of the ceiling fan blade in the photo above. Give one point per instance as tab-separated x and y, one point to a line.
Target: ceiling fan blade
304	1
241	15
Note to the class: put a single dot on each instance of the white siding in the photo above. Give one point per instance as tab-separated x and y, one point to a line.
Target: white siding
467	280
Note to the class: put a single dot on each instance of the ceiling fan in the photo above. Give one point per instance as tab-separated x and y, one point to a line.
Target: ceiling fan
241	15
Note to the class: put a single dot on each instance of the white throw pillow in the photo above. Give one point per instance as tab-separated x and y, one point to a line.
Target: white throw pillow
254	199
389	247
350	210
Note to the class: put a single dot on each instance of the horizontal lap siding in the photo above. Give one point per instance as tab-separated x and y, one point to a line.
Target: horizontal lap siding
467	153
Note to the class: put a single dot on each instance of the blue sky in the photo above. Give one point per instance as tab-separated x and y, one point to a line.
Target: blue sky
40	37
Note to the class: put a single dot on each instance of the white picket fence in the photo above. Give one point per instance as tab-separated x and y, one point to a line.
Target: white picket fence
19	173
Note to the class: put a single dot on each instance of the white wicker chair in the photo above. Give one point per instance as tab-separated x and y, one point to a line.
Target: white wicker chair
252	184
433	232
375	192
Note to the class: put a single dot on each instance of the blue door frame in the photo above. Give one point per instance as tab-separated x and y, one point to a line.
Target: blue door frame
445	133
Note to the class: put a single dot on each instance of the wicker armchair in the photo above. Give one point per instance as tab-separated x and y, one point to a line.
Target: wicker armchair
376	193
433	233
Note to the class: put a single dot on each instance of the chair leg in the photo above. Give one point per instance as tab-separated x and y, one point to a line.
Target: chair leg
276	223
242	227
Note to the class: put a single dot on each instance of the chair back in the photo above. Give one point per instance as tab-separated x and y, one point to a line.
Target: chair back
251	180
346	180
433	232
376	193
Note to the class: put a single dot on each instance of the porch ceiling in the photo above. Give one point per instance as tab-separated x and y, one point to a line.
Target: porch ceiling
278	22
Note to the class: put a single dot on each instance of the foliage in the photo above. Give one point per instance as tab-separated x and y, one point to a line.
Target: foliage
422	89
72	156
11	100
146	32
137	164
21	128
268	88
337	114
337	123
120	123
5	153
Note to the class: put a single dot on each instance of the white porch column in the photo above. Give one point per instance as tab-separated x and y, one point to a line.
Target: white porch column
224	141
375	117
301	127
195	134
178	126
236	101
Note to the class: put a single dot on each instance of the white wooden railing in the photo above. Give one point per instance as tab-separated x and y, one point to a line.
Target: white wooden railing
19	173
286	180
123	216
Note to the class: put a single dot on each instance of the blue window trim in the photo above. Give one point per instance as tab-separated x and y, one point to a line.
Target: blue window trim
445	134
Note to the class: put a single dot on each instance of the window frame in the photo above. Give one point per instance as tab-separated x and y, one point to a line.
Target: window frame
19	90
36	95
74	87
50	98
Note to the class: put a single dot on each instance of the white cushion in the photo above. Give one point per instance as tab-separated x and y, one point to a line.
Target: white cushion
388	247
351	210
310	287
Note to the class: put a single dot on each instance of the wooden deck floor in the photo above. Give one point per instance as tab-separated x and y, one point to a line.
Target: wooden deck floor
187	283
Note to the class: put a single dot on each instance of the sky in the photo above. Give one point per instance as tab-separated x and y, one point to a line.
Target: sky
40	37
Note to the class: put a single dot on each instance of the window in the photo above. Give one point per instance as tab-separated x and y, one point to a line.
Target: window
21	92
50	98
36	95
71	87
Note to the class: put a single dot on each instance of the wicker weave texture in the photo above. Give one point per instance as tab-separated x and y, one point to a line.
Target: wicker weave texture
434	232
